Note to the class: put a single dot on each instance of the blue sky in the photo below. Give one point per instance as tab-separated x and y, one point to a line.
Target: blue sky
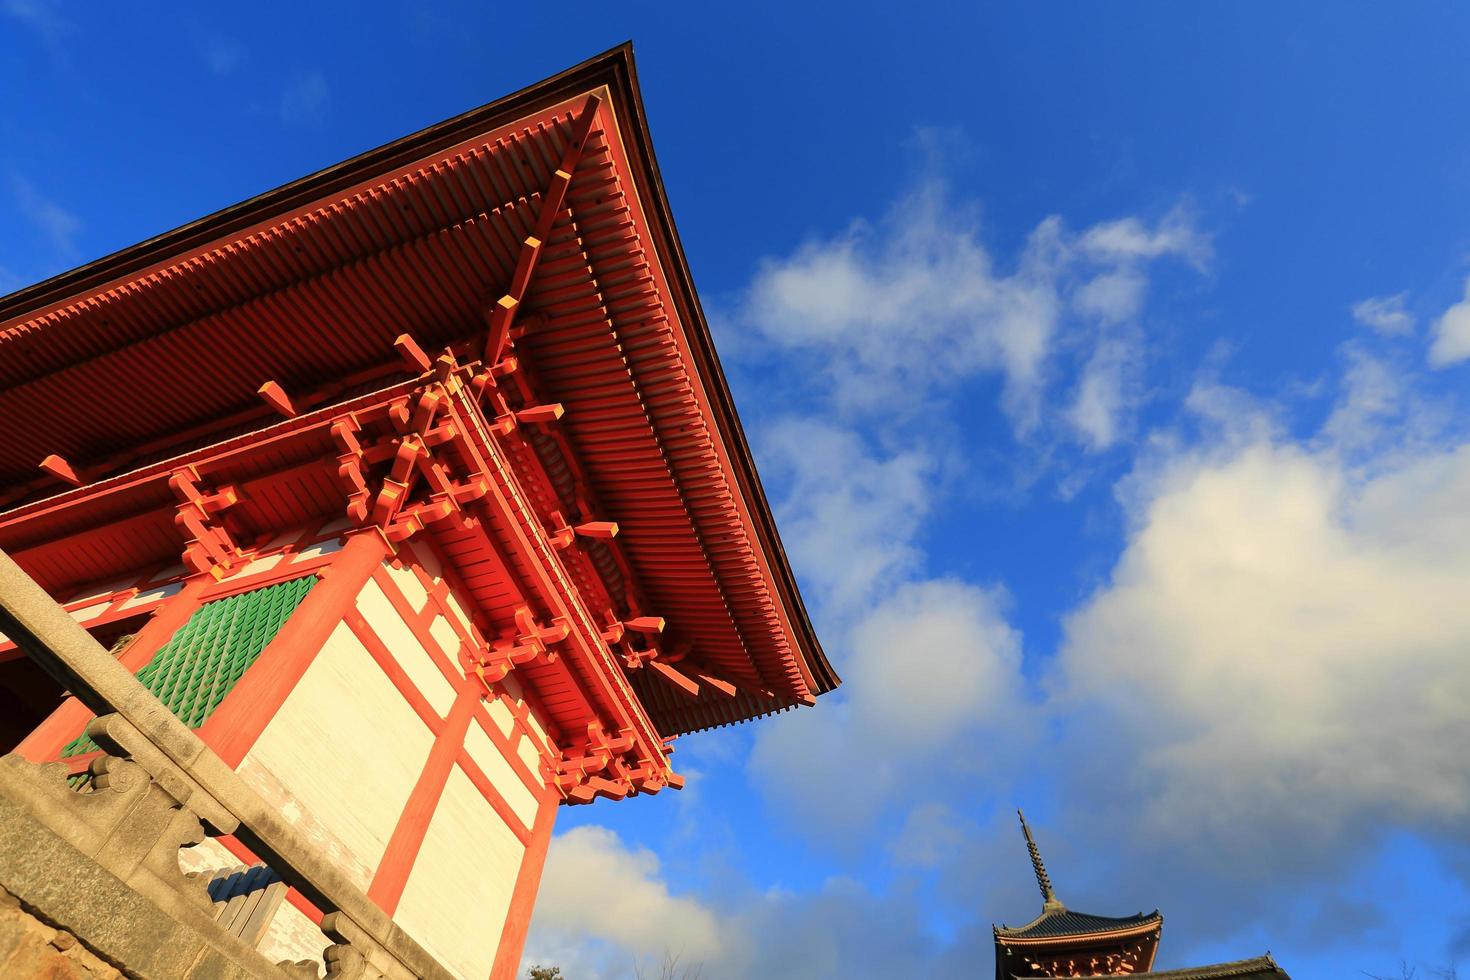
1104	364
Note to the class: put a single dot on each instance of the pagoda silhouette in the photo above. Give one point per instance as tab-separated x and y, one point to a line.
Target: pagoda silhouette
1061	942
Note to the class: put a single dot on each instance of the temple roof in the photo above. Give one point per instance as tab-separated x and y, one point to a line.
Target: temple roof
1063	922
162	348
1259	968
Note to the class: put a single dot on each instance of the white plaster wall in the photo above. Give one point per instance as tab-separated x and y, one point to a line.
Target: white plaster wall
507	782
293	937
459	890
405	647
206	856
341	756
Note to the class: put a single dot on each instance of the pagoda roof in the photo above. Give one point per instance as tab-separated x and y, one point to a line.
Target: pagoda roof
1062	922
160	349
1258	968
1056	921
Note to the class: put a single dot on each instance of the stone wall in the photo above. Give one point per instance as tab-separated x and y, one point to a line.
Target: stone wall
30	947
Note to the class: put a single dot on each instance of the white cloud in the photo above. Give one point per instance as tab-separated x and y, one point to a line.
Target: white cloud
1382	408
848	515
930	672
1385	314
59	225
1277	661
899	310
915	300
944	645
1452	334
598	892
1113	296
838	929
932	834
1129	239
1103	393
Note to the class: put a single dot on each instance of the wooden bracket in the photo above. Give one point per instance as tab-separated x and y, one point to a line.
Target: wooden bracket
600	770
208	545
533	642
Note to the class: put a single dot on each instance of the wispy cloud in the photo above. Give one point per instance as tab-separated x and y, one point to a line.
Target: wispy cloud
221	55
42	16
1132	240
59	226
1105	392
1452	334
900	311
850	513
606	912
305	99
1385	314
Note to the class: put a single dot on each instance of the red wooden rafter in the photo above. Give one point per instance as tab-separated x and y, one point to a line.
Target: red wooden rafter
502	313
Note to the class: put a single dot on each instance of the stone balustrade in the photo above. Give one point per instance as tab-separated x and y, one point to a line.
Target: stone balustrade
100	862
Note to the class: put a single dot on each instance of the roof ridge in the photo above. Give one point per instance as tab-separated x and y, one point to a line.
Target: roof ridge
1249	967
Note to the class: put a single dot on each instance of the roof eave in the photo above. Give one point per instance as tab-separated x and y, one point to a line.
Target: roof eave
613	69
691	312
1014	936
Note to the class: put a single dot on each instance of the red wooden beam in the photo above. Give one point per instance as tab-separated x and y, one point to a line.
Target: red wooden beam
681	681
645	624
413	355
525	265
710	680
502	315
541	413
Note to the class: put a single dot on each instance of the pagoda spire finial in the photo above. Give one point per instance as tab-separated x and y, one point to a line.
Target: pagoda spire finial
1049	900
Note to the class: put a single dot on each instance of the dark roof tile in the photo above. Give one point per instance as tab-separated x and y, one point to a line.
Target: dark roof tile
1065	922
1259	968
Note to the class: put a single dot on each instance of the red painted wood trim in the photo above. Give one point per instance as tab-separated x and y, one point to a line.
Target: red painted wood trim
384	658
9	650
283	571
507	748
418	624
521	712
523	898
71	718
413	823
493	796
451	582
247	857
249	707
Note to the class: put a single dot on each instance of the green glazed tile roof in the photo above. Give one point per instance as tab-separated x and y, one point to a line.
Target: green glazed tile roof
197	667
